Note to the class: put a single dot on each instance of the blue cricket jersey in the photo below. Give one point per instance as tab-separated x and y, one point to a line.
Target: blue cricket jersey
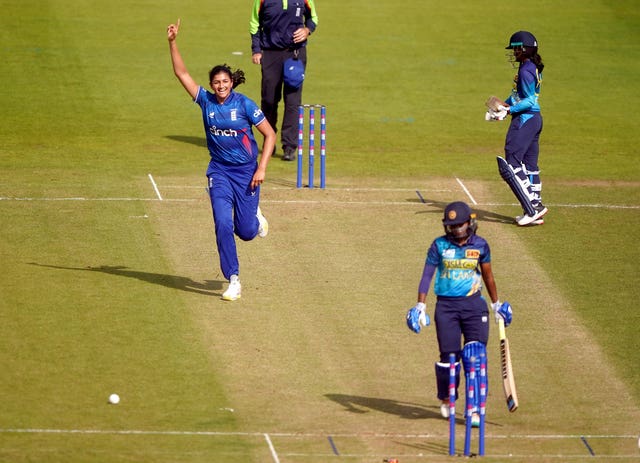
228	127
526	89
458	267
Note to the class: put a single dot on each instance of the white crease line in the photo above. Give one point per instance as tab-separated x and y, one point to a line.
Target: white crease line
303	434
292	201
272	188
155	187
272	448
6	198
466	191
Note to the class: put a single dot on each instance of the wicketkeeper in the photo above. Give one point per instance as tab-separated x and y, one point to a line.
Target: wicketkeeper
460	260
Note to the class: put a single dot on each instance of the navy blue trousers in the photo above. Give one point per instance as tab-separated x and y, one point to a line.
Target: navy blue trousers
460	319
274	89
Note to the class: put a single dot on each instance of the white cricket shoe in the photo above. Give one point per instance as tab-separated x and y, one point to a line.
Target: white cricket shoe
263	229
540	211
234	290
444	409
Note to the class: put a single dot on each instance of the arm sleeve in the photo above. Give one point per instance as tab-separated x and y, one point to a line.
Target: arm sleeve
254	27
427	276
311	18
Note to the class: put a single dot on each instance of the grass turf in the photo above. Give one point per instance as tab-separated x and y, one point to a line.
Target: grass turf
104	296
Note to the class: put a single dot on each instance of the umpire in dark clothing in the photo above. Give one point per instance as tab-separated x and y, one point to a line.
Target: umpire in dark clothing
279	31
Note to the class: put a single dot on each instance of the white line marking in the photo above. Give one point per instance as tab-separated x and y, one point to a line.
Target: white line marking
272	449
466	191
303	434
155	187
276	188
329	201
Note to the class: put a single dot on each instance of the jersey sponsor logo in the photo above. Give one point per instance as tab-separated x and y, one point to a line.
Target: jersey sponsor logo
257	113
472	253
216	132
465	264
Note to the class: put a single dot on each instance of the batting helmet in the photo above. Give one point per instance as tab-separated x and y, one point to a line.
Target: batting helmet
456	214
522	39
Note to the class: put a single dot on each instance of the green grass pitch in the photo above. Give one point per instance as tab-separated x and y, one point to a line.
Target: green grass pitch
106	288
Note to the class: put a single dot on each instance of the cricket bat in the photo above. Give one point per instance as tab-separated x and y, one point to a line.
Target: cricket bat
494	103
508	381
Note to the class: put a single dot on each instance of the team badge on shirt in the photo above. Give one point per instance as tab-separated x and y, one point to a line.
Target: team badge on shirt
234	114
449	253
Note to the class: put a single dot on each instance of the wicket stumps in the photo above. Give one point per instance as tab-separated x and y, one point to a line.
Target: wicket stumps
311	139
452	404
470	392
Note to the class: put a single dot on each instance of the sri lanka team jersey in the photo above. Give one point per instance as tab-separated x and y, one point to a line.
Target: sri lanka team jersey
228	127
526	90
458	267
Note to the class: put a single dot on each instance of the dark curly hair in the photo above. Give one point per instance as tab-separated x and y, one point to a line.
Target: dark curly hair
237	76
532	54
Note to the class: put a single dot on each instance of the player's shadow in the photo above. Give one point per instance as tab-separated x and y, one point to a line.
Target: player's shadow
207	287
406	410
438	207
198	141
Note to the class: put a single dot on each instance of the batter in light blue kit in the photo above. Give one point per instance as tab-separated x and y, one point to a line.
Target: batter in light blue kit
522	143
234	175
460	261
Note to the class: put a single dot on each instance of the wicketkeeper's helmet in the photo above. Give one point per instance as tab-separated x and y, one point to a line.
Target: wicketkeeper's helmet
522	39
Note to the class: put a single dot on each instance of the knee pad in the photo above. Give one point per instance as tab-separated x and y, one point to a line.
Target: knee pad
519	186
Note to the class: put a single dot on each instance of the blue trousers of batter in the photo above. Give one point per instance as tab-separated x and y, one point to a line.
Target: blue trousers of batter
234	206
458	319
522	142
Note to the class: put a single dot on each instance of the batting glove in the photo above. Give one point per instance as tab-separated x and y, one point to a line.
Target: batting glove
492	115
417	317
502	311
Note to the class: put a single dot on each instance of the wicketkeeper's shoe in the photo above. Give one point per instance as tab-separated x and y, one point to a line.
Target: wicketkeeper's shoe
444	409
263	229
234	290
540	211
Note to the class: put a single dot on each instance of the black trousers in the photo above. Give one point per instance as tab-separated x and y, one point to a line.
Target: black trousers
274	89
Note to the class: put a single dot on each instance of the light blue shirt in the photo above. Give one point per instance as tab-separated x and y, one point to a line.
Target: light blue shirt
458	267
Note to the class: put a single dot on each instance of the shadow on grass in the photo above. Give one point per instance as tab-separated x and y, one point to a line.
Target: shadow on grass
358	404
482	215
198	141
409	411
208	287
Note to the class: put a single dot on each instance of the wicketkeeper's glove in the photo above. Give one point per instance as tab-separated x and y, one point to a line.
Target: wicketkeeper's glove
417	317
502	311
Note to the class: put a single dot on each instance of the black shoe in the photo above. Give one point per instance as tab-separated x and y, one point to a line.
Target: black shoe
289	154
